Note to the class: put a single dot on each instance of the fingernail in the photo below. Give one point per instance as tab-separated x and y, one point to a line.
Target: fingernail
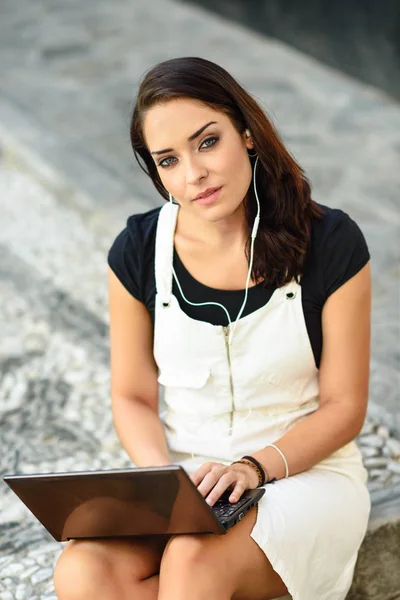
209	501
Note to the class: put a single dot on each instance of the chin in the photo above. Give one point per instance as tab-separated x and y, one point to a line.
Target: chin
218	212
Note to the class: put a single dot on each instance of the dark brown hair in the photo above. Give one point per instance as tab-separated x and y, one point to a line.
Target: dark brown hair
286	207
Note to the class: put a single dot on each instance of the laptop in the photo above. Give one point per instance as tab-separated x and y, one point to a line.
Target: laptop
126	502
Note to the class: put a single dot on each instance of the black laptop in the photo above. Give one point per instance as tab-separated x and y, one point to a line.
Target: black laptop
126	502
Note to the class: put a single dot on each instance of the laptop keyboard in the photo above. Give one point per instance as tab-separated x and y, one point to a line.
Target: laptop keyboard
224	509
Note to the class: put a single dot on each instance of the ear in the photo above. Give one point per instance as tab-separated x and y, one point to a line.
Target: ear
248	141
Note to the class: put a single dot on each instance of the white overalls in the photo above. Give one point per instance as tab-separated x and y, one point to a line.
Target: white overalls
311	525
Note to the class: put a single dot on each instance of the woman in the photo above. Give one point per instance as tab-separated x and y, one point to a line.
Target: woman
250	303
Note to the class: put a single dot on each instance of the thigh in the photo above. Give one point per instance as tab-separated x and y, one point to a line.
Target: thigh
130	558
234	559
255	578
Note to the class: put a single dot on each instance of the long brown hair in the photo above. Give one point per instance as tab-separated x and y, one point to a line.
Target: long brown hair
286	207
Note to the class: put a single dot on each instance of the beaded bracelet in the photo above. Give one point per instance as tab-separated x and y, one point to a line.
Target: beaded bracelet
264	472
263	476
263	469
250	464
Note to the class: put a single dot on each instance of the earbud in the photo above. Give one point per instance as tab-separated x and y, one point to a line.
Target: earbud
247	132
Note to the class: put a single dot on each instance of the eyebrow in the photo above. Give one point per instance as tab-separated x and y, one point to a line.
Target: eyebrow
190	138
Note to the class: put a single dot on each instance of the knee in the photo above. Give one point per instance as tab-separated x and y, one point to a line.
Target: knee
81	571
191	552
195	561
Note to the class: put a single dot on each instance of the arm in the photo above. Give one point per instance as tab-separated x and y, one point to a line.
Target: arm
134	385
343	383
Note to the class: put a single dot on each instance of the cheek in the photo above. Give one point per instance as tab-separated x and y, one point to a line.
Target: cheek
235	163
172	181
239	171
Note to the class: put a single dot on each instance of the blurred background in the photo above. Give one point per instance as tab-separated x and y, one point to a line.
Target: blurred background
327	74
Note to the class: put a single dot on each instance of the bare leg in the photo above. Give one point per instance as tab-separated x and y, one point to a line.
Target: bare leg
218	567
188	570
109	569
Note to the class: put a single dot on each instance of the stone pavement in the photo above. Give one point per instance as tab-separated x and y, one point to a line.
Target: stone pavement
68	181
69	78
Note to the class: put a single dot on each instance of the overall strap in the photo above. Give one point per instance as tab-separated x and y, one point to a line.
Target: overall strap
164	249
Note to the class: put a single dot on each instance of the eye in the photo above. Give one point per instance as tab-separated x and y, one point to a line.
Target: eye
214	139
161	163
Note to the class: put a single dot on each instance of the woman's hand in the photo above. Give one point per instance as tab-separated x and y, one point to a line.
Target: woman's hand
214	478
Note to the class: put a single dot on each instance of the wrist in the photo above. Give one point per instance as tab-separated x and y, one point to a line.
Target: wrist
261	470
254	479
276	461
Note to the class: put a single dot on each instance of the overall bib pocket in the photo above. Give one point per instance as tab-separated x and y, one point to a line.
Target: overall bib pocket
186	391
184	378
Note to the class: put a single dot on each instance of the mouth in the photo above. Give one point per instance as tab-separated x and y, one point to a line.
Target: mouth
209	196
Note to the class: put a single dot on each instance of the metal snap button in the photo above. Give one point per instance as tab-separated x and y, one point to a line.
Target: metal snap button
165	304
291	295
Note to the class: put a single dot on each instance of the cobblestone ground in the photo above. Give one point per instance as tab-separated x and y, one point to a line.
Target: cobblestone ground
55	408
55	411
69	75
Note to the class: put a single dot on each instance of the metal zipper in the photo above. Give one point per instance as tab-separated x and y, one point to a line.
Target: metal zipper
226	335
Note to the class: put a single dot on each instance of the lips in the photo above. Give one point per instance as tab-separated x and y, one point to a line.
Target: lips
207	192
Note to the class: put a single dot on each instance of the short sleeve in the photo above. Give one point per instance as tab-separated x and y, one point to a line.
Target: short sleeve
344	254
123	259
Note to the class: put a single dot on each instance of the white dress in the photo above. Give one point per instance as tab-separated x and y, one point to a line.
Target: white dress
311	525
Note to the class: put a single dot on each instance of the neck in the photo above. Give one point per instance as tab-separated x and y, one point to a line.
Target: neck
218	234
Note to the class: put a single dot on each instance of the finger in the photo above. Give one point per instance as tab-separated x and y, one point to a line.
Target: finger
238	490
224	482
212	478
198	476
210	481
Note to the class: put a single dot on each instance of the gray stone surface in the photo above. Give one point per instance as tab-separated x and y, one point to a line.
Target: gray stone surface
68	181
55	412
68	85
377	575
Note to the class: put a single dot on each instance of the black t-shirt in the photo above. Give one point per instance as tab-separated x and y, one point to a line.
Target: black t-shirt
338	251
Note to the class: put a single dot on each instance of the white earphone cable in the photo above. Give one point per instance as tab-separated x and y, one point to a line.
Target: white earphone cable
232	327
253	237
200	303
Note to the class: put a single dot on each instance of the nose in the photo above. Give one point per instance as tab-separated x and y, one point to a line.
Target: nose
195	170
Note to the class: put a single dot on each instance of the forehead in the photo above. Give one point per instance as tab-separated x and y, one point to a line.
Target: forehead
177	119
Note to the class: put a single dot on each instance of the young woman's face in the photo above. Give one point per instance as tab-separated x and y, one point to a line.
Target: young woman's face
216	158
